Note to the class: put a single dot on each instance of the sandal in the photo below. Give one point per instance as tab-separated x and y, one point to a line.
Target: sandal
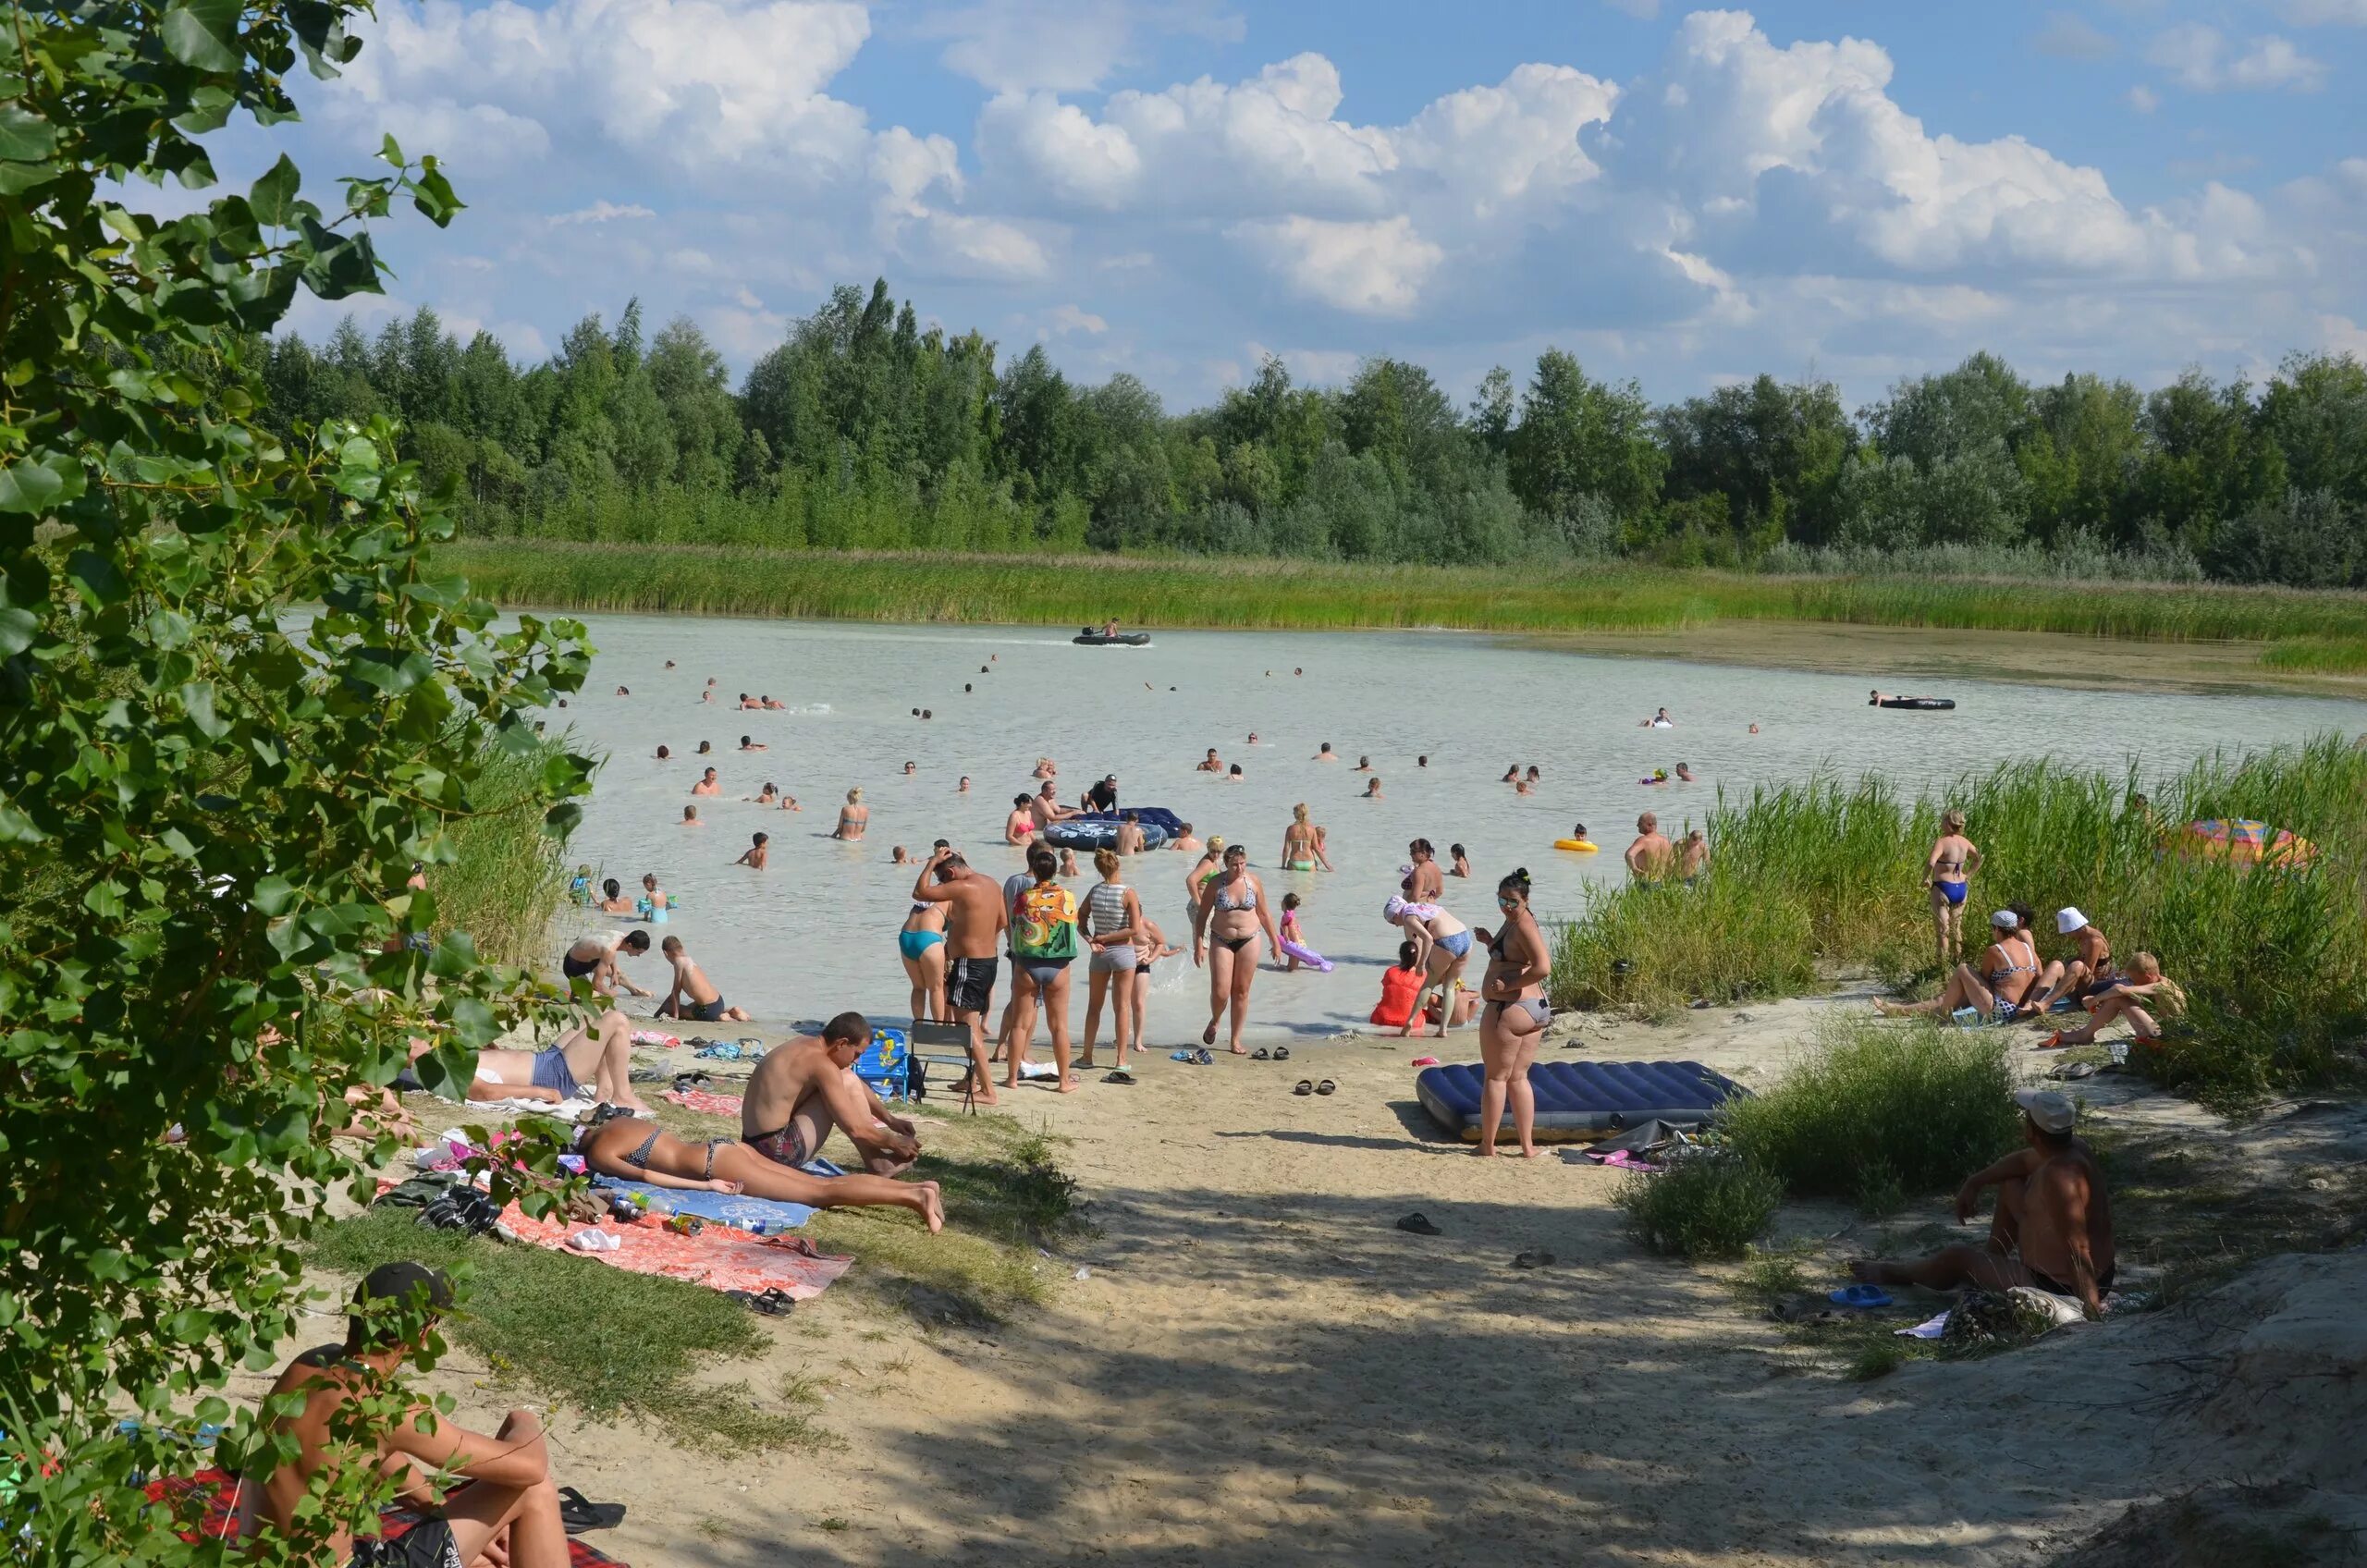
1281	1053
1117	1075
1209	1035
1419	1224
580	1514
1261	1053
771	1302
1325	1087
1202	1058
1305	1086
1534	1260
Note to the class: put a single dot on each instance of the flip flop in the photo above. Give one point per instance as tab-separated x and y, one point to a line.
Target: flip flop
1419	1224
1209	1035
1305	1086
771	1302
1261	1053
1184	1057
685	1082
580	1514
1865	1298
1535	1260
1281	1053
1201	1057
1327	1086
2075	1069
1117	1075
1425	1061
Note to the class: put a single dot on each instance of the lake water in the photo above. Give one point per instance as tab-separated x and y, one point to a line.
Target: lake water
816	932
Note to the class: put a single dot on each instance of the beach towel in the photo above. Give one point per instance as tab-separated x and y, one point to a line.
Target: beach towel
705	1100
205	1505
761	1217
658	1037
718	1257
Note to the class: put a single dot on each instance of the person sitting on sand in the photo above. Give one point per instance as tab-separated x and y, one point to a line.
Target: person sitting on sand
709	784
2136	997
756	853
2053	1228
613	900
504	1508
851	817
594	959
693	994
2088	973
2007	976
803	1089
1650	856
599	1053
1399	986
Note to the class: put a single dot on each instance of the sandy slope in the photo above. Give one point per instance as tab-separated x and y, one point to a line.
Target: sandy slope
1261	1369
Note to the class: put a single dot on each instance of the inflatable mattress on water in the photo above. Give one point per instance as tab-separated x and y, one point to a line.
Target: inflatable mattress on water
1580	1101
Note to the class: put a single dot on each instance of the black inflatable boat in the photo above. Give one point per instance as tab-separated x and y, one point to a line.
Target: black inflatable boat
1926	704
1123	640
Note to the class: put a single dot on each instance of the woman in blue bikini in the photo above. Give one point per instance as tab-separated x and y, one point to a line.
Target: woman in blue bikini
921	944
1947	872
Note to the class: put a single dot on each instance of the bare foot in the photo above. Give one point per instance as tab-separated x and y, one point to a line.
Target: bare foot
932	1207
1485	1151
631	1101
1240	1050
1071	1086
1887	1009
1866	1270
1529	1153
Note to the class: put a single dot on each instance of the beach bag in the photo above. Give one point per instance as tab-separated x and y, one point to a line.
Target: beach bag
1043	923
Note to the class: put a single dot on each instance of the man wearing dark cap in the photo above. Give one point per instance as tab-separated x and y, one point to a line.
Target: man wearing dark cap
506	1493
2054	1224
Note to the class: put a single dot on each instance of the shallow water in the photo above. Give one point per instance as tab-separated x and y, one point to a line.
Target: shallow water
816	932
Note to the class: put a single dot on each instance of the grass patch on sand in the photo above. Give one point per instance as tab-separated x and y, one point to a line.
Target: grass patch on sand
2318	656
1822	876
1712	1203
1315	595
611	1344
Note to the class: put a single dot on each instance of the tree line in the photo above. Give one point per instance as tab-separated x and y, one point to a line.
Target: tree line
863	430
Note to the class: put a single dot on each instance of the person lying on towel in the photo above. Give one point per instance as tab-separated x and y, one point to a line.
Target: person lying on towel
598	1056
2054	1223
633	1150
505	1510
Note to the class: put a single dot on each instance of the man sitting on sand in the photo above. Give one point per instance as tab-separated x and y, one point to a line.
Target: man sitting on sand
693	995
1649	856
2130	997
2088	973
505	1509
594	959
599	1054
2054	1224
803	1089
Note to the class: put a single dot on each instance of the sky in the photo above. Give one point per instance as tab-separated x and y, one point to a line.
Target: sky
1178	188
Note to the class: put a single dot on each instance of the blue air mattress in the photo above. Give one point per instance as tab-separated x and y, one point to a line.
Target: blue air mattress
1579	1101
1098	830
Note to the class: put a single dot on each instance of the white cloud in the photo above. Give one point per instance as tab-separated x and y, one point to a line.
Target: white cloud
602	212
1500	145
2067	36
1063	320
2199	58
1063	46
2340	335
2319	12
2143	99
1366	269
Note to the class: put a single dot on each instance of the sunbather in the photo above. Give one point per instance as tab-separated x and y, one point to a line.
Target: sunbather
2136	997
2088	973
505	1509
2053	1228
600	1054
803	1089
635	1150
2007	976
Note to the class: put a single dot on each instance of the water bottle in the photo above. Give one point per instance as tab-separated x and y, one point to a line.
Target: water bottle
657	1207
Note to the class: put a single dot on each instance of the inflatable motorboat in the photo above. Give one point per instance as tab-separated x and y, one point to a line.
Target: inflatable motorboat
1089	637
1924	704
1098	829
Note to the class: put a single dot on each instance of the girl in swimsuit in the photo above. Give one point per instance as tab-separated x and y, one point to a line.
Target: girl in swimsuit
921	944
1021	823
1303	844
1947	872
1150	946
1230	915
1113	917
1512	1022
2008	976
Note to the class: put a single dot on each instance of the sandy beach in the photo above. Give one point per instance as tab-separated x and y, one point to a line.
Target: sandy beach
1248	1362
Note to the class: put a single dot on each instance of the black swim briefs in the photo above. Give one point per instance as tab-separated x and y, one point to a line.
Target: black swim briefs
970	983
427	1544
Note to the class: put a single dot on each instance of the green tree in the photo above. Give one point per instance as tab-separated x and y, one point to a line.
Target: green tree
210	803
1579	438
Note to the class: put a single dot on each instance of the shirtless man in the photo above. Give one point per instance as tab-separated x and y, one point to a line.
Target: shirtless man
693	994
599	1054
1649	856
974	918
1209	764
2089	971
594	959
505	1495
2054	1223
1326	753
1693	857
709	784
1130	835
803	1089
1185	841
1045	807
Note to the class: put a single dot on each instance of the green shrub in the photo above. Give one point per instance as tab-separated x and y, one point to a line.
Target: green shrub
1710	1204
1876	1113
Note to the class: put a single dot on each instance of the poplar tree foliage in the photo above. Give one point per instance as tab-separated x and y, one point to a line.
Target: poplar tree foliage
237	705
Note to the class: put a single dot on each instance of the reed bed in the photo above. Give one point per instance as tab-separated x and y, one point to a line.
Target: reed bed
1825	876
2317	656
1289	595
507	882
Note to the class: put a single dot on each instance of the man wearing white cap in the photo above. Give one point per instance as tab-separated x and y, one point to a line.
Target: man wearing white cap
2089	973
2054	1224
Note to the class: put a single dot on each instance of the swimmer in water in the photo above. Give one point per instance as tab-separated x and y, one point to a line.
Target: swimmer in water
1524	788
1533	776
1252	739
1326	753
1183	840
851	817
1684	774
1209	764
1303	844
1045	769
768	796
1512	775
898	857
747	744
962	788
910	769
614	901
708	785
670	664
1364	764
663	753
707	696
1754	730
1462	867
1372	789
1233	776
1659	720
624	692
750	703
1068	863
789	803
756	854
706	747
691	817
1020	824
1422	761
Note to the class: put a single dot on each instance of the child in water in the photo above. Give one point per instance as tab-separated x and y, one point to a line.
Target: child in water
615	902
655	904
1294	946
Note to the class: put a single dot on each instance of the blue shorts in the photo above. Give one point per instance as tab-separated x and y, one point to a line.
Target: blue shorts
551	1072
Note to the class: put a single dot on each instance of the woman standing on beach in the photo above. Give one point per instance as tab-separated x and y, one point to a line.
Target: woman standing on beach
1442	945
1043	945
1303	844
1513	1023
1112	919
921	945
1227	919
1947	872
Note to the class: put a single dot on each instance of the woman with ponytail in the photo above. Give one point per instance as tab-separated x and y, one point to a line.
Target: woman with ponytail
1511	1022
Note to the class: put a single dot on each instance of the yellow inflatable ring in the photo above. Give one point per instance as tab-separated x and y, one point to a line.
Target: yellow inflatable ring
1584	846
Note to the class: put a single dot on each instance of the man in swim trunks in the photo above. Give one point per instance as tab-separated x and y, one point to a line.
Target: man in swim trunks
599	1054
709	784
1209	764
976	916
2053	1228
1650	856
693	995
803	1089
594	959
505	1498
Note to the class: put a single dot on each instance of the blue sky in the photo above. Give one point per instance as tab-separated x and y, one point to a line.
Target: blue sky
1177	187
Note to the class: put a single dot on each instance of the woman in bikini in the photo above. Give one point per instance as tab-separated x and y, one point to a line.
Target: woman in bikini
632	1150
1303	844
1111	916
1513	1021
1441	945
1230	916
2009	976
1020	824
921	945
1947	872
851	817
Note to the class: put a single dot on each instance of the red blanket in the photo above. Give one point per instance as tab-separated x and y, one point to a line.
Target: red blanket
701	1099
718	1257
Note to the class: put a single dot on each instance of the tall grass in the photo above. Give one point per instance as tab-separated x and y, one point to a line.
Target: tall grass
1052	589
1825	875
507	880
2318	656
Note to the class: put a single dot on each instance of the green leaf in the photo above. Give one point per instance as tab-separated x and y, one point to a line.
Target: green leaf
455	958
40	484
197	697
391	670
101	582
272	896
391	149
17	630
473	1022
25	136
203	33
274	196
